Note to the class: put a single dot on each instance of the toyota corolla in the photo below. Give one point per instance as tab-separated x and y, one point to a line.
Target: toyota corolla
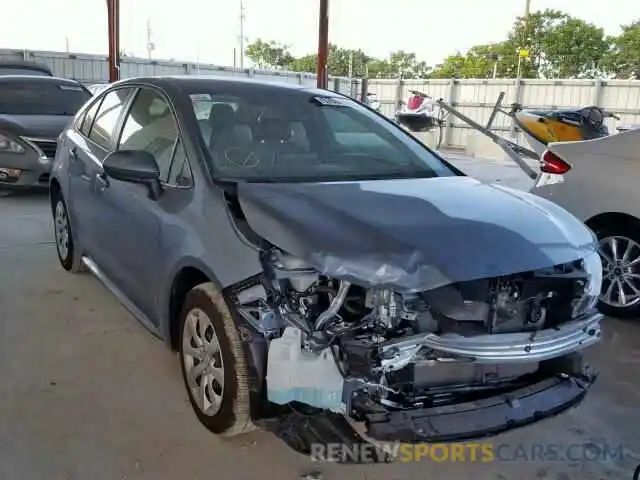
297	249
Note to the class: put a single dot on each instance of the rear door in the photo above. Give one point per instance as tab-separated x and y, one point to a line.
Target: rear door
89	144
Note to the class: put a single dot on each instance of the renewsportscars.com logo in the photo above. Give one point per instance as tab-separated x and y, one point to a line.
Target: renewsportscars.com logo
485	452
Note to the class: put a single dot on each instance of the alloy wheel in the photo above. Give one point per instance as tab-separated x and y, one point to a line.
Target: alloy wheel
62	230
203	364
621	271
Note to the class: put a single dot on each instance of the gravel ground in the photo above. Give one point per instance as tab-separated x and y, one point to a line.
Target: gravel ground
86	393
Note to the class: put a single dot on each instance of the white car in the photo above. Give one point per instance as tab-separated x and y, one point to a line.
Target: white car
96	88
597	181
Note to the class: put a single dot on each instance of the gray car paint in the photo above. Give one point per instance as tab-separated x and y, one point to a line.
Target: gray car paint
415	234
142	245
185	228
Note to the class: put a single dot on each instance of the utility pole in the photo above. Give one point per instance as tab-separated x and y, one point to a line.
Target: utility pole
242	19
323	44
150	45
113	21
527	11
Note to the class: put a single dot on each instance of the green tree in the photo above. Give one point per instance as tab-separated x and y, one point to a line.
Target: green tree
558	45
399	63
480	62
308	64
338	62
269	54
623	59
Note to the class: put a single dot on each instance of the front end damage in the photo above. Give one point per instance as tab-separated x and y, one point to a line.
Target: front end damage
382	319
457	362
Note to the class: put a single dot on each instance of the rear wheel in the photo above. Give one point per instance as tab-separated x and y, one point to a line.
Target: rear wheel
620	254
214	364
69	255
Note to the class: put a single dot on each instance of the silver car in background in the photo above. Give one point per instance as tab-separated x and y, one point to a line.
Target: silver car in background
34	110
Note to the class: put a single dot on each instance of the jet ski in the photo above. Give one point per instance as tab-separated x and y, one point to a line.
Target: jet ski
542	127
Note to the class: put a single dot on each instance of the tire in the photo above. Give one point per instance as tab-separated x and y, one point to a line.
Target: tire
69	255
622	232
223	406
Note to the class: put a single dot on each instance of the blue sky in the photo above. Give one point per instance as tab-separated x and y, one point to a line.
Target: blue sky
207	30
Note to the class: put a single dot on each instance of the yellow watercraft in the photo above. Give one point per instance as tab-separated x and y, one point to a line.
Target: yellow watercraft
542	127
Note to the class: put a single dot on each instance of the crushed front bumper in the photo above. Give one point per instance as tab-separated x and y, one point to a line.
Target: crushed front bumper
500	348
484	417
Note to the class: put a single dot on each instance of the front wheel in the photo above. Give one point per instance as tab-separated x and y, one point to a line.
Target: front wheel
214	364
620	254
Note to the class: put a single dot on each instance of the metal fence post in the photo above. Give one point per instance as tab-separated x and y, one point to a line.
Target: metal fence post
336	85
448	133
399	90
597	93
364	89
517	99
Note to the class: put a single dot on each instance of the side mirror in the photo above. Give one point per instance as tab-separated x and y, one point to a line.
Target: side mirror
134	166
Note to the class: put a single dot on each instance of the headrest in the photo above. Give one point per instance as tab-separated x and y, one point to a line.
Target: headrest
275	129
221	114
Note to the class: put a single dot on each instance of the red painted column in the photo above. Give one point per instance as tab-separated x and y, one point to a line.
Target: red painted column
113	16
323	44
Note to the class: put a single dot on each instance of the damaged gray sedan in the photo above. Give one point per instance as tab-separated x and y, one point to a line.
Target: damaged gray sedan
304	254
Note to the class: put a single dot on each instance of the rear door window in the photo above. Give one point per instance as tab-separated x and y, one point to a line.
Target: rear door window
104	126
89	116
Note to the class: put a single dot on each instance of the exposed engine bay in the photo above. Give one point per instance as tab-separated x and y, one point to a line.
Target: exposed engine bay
341	347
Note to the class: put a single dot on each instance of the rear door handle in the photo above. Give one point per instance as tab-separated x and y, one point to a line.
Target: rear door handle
73	153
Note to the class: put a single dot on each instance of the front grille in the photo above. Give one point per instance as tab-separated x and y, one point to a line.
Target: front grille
48	147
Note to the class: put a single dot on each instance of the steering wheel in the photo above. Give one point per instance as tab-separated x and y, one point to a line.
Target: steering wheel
593	115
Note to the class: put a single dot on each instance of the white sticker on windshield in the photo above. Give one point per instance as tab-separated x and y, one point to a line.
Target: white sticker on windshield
70	87
332	101
200	97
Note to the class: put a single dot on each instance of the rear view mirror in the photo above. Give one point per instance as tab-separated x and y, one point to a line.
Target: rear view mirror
134	166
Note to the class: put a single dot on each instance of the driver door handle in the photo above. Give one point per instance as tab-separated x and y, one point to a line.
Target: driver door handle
102	181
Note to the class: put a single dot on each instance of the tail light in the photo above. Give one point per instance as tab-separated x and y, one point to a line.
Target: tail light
414	102
552	163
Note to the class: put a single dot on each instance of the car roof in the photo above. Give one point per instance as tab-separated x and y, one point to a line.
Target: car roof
37	79
26	65
195	82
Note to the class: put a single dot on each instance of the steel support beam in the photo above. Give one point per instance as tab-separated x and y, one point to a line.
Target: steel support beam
323	45
113	15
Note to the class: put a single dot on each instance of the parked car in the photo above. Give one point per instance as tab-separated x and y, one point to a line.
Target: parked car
596	180
17	67
299	250
33	112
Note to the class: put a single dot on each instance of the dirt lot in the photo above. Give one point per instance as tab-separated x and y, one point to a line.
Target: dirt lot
86	393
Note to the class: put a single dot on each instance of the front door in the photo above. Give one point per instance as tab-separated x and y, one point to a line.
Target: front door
130	221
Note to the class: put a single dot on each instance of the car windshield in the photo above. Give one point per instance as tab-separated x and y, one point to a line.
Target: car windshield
290	135
31	97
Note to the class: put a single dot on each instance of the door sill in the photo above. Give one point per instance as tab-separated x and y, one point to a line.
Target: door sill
122	298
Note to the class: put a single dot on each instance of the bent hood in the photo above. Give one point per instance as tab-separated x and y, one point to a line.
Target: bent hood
37	126
414	234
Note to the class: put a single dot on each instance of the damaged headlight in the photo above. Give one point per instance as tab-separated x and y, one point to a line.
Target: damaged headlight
592	266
